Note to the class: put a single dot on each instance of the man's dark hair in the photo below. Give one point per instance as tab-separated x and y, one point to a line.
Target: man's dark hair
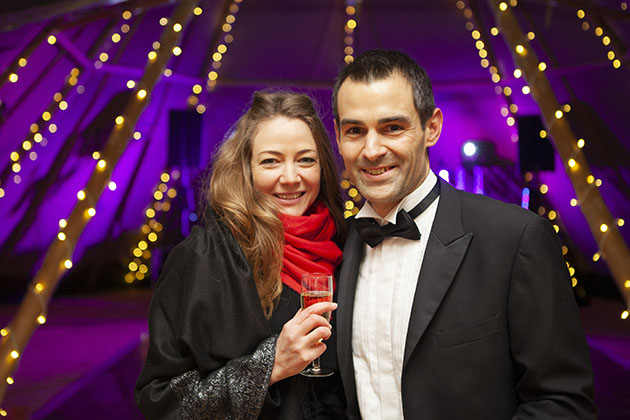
375	65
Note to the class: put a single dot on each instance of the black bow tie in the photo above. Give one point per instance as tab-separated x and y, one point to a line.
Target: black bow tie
373	233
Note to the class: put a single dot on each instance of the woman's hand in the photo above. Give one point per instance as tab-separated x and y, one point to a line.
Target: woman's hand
300	340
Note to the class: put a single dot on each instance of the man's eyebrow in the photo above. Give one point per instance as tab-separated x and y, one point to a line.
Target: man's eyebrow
347	121
399	118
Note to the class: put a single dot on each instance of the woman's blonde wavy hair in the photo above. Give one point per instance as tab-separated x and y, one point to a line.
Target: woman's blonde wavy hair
251	215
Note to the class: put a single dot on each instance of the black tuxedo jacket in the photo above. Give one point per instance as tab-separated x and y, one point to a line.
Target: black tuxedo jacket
494	331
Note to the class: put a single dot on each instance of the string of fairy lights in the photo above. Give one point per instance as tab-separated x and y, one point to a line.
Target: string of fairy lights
350	25
149	232
614	53
58	103
70	229
572	163
151	229
220	50
511	111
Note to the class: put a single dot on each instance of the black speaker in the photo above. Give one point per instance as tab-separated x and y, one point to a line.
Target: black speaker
184	138
534	153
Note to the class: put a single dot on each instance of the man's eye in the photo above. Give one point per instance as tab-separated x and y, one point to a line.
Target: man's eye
394	127
353	130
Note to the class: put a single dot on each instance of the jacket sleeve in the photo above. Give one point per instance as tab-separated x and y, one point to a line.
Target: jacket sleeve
172	385
554	378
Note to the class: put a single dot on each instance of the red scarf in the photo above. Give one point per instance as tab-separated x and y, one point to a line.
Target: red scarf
308	245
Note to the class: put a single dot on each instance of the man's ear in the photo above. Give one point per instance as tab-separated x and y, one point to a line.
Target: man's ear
434	127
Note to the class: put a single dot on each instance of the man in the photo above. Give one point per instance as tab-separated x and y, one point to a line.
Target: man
468	315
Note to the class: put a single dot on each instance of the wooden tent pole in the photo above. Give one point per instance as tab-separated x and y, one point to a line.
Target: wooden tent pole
47	278
611	244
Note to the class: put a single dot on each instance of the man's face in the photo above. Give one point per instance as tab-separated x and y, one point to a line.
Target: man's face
381	139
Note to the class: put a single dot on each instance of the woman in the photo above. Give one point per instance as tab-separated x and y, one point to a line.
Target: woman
227	338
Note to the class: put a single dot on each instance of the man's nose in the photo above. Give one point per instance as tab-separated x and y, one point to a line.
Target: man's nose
374	147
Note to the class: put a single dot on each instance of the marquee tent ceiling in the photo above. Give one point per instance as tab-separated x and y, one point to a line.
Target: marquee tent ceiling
287	44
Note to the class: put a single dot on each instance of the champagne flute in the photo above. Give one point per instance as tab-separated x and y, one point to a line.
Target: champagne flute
316	287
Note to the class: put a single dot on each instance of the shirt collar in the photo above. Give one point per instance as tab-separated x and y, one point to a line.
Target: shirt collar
407	203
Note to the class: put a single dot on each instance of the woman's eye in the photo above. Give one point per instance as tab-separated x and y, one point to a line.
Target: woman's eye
307	160
268	161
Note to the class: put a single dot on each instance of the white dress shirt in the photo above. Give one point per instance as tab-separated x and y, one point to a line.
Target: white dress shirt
385	290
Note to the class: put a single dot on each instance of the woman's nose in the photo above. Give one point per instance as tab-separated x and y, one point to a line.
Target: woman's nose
290	175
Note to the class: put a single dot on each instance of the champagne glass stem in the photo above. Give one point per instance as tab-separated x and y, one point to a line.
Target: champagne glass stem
316	367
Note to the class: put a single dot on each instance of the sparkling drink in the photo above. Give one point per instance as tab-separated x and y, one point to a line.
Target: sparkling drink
316	287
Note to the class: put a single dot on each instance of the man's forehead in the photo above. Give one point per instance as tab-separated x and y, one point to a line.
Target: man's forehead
382	98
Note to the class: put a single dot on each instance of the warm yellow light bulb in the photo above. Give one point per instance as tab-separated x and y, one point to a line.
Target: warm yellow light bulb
52	39
177	51
620	222
102	164
142	93
10	382
526	90
120	120
581	14
627	284
520	49
542	66
15	354
573	202
624	314
41	319
67	264
91	212
81	195
61	236
503	6
150	213
152	237
152	55
4	332
571	163
177	27
544	188
603	227
542	134
558	114
198	11
13	77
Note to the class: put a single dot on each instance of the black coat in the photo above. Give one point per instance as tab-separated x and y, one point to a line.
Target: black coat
211	348
494	331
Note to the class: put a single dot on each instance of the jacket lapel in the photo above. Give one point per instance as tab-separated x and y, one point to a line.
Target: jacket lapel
445	251
352	256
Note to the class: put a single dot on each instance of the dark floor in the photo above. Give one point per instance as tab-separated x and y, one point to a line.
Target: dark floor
84	361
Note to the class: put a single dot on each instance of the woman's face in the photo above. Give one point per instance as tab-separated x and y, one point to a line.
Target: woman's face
285	164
